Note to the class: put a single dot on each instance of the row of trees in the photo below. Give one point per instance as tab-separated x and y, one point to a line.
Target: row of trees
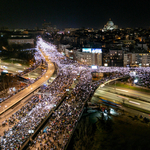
7	81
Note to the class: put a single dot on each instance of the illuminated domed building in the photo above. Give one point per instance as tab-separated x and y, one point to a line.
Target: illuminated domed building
110	26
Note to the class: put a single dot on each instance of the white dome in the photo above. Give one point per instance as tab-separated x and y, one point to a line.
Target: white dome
110	23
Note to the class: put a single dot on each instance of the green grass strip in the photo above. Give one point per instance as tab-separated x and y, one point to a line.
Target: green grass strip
136	108
131	87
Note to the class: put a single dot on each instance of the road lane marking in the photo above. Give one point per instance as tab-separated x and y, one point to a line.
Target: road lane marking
134	102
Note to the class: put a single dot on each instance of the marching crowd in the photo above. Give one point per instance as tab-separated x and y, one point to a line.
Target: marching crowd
64	119
27	119
142	76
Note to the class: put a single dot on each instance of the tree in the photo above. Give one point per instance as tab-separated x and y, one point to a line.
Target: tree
84	136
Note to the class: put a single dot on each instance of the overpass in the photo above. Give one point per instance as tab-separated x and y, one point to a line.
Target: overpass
107	82
9	103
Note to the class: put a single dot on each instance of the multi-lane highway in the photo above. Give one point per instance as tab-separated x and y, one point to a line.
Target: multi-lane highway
19	96
64	119
128	92
102	92
9	113
12	68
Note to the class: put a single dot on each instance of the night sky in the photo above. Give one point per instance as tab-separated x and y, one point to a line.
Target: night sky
74	13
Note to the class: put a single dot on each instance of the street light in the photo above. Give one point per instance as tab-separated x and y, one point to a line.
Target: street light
115	85
5	115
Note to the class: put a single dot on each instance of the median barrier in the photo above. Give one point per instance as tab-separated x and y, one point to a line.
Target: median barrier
66	146
134	97
21	98
43	122
41	125
18	101
137	108
74	128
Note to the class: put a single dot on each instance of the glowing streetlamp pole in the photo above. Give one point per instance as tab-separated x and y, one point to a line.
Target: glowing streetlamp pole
5	115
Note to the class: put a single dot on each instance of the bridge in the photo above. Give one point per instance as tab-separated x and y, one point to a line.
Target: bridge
7	104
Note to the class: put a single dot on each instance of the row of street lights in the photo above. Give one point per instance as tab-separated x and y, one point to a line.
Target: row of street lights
3	110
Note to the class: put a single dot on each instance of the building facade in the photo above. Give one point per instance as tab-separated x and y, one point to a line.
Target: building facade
89	58
137	59
20	41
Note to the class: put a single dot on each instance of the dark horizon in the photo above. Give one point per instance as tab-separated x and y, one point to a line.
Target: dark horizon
66	14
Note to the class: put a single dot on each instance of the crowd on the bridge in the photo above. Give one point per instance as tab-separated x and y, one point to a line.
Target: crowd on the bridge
30	116
60	127
64	119
27	119
142	77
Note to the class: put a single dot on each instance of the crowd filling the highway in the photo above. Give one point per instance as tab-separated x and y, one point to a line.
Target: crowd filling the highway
142	76
61	124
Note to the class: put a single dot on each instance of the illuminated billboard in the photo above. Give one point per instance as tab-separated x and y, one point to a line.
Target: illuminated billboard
96	50
92	50
86	50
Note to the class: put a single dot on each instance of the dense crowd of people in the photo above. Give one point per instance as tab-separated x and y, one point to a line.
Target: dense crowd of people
61	124
141	77
30	116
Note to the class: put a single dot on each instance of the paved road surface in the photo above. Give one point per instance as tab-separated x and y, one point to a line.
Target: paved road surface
126	91
127	100
12	68
9	113
17	97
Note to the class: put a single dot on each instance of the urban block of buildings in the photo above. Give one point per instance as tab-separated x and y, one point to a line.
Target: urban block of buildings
109	46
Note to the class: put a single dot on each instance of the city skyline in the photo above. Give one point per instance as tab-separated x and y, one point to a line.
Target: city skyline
89	14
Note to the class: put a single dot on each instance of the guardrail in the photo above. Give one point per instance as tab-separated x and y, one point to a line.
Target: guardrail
41	125
76	123
89	96
20	76
22	97
128	95
18	101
